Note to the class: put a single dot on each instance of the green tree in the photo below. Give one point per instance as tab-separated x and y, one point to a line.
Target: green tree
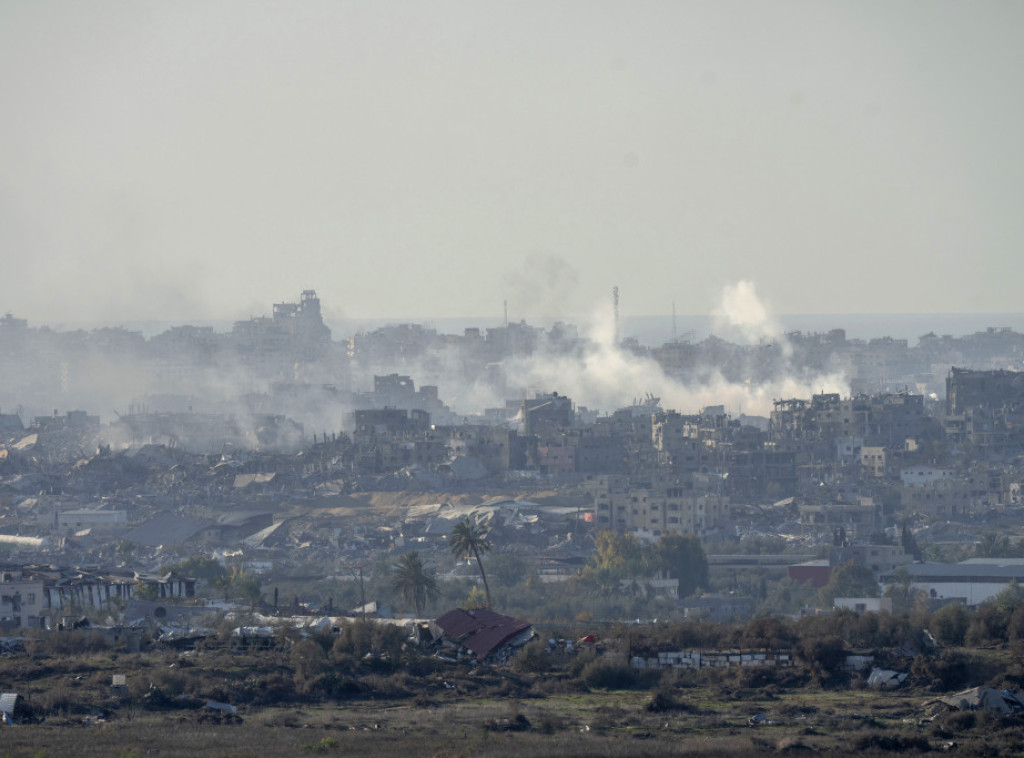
905	597
469	539
222	583
908	542
787	596
684	559
994	545
600	581
988	625
620	553
414	582
849	580
823	656
245	587
949	624
199	567
618	558
990	622
1010	598
475	599
509	569
146	591
767	633
308	661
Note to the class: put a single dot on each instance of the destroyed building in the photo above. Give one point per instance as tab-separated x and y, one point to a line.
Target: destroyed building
481	633
37	597
655	507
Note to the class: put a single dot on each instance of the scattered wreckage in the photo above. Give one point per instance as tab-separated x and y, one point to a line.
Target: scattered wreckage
1004	702
886	679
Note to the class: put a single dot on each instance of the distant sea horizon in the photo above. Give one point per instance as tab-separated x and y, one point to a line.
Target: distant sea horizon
650	330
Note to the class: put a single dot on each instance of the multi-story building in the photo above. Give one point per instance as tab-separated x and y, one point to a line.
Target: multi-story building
655	507
983	389
35	597
24	603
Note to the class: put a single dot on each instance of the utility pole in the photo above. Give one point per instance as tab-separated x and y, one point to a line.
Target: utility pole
357	573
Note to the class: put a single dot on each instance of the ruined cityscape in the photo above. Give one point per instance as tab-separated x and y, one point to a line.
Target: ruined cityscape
403	517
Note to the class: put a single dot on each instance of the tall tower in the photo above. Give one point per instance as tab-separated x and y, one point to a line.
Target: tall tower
615	305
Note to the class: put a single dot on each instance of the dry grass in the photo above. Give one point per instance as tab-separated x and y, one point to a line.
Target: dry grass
401	714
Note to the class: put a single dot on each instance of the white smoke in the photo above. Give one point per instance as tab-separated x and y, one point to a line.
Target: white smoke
741	316
607	377
594	371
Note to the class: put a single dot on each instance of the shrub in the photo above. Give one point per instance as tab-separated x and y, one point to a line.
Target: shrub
766	633
583	659
608	675
355	638
960	721
268	689
345	663
949	624
949	670
308	660
421	665
74	642
325	745
756	676
823	656
169	681
396	685
560	685
331	685
534	658
664	700
893	743
988	626
517	723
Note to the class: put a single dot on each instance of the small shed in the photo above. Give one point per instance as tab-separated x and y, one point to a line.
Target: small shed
119	687
13	708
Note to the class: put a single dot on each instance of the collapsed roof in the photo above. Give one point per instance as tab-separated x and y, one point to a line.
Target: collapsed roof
482	631
985	698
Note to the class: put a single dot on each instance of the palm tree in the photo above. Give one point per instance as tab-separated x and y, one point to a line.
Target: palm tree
469	539
414	581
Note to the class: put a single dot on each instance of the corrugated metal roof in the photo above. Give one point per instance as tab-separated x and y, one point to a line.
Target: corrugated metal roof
482	631
167	529
978	572
8	700
257	538
244	480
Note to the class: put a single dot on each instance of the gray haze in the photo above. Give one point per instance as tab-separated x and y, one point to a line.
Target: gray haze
195	160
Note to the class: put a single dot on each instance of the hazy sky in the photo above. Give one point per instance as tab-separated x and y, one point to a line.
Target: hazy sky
201	160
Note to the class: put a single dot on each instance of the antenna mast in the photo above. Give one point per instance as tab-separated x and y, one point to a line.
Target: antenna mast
615	304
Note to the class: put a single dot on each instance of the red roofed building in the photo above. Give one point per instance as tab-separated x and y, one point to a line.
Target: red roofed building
815	572
482	632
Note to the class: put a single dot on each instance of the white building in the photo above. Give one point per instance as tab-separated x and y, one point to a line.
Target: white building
920	476
973	581
91	517
864	604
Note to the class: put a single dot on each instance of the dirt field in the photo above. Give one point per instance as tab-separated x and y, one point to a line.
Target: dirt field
614	723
